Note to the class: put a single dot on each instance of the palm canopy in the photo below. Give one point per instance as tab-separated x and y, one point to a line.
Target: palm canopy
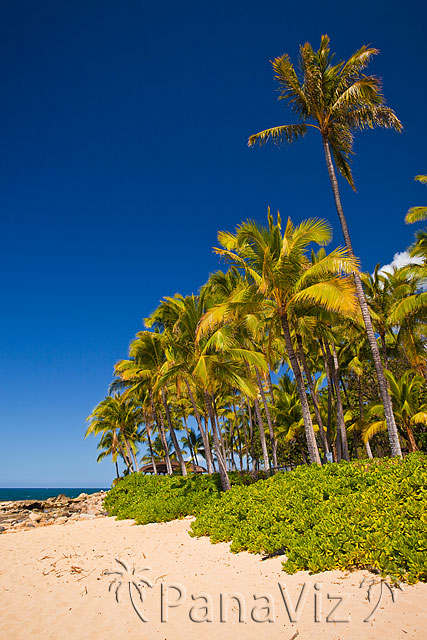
277	267
337	99
415	214
409	407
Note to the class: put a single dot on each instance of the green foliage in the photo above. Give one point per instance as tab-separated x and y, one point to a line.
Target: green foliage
366	514
162	498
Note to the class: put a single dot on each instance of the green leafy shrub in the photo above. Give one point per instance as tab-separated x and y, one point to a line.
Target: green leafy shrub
368	514
162	498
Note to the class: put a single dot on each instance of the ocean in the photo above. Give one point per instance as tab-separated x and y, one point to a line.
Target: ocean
41	493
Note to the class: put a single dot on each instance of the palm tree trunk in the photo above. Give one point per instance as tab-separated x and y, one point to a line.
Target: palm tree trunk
117	469
412	444
251	435
190	446
123	454
203	433
308	425
245	437
161	426
225	481
262	436
173	435
269	420
368	449
331	397
128	453
341	429
313	393
239	440
150	446
382	382
270	389
135	461
221	439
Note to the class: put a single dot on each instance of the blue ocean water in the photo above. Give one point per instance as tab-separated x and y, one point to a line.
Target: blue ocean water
41	493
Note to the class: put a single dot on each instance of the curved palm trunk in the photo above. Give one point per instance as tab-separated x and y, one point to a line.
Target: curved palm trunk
135	461
308	425
313	393
368	449
128	454
208	455
382	382
161	426
225	481
412	444
123	454
117	469
173	435
269	420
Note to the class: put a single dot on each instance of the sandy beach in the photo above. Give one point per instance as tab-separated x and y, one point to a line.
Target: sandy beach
56	583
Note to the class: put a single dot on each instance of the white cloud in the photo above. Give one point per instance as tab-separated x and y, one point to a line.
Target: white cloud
400	259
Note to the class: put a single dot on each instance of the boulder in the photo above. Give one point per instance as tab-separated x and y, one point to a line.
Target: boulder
35	517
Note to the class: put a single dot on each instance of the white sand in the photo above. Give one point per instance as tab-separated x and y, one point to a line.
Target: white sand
53	585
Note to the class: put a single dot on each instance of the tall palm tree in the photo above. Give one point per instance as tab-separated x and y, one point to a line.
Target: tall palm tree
280	277
337	100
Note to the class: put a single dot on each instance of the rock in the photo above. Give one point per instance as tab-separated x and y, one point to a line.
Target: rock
86	516
61	520
35	517
2	529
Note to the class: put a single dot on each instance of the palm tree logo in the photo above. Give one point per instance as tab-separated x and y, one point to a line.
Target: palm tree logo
129	576
383	586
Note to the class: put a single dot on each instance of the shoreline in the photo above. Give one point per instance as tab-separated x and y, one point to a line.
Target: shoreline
18	515
62	582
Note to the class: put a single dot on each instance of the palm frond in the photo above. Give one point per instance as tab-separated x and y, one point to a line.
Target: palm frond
279	135
415	214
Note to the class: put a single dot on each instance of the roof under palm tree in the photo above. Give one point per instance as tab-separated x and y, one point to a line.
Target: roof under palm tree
161	467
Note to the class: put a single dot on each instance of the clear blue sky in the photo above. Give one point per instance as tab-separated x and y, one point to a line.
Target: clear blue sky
123	151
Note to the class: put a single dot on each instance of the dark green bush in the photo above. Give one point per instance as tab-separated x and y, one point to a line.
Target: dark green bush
368	514
163	498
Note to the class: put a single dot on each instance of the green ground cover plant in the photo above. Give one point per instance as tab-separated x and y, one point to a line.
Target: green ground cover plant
367	514
162	498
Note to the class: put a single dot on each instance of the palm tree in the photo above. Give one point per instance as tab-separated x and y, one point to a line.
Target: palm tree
122	416
410	410
415	214
280	277
194	442
108	446
337	100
